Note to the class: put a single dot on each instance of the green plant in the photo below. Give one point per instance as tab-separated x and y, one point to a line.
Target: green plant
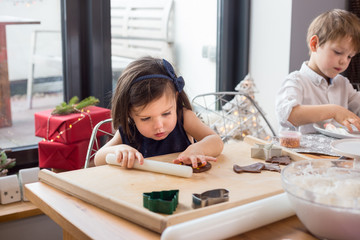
74	105
5	163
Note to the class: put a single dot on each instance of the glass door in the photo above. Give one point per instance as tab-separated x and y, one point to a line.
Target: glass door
31	74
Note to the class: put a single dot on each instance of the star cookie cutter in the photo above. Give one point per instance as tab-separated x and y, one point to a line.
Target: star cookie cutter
161	201
265	151
210	197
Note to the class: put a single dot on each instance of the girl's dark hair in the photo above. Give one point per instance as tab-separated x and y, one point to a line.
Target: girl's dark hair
128	94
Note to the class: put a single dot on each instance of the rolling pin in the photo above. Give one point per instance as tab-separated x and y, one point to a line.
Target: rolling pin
156	166
233	221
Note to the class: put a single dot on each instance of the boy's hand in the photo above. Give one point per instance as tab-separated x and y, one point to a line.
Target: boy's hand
347	123
127	156
347	118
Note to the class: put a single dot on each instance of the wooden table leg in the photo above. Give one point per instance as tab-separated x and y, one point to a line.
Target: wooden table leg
68	236
5	107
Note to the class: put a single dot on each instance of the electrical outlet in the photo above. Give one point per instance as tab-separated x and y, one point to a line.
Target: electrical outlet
9	189
27	175
209	52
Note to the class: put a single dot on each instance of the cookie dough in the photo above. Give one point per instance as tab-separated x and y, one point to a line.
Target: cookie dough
282	160
253	168
200	168
272	167
257	167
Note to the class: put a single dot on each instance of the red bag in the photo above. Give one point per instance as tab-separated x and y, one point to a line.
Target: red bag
70	128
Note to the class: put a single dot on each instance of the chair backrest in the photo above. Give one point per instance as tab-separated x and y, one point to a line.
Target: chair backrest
142	19
356	86
142	27
48	57
96	142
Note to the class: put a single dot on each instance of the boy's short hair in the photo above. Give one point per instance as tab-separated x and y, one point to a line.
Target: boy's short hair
335	24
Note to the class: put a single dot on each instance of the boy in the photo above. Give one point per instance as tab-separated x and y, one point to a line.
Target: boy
317	91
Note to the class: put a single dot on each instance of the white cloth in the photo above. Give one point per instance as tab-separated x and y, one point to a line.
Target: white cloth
306	87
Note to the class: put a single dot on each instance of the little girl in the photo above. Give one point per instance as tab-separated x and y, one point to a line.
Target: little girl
153	116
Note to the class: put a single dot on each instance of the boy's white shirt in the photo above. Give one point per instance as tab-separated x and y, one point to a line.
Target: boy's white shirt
306	87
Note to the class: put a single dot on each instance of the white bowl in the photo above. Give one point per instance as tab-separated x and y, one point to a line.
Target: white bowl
325	194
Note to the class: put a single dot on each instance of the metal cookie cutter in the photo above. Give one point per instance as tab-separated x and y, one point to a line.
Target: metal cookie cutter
210	197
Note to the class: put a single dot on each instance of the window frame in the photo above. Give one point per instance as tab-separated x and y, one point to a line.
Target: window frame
86	35
233	43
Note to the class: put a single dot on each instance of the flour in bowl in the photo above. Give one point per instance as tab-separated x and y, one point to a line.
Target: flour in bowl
335	187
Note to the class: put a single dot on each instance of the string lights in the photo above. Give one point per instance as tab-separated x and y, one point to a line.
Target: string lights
235	118
83	114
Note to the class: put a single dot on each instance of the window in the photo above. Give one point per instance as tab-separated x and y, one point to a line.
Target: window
175	30
31	51
84	28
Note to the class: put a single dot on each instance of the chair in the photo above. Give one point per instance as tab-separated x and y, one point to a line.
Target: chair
356	86
140	28
96	142
50	56
232	115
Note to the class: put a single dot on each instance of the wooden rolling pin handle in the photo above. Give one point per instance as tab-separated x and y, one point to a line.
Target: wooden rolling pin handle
156	166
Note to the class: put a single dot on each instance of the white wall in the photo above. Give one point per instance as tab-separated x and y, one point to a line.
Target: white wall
269	50
195	27
302	15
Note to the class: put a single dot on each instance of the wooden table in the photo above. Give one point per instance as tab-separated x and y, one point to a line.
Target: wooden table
18	210
5	107
81	220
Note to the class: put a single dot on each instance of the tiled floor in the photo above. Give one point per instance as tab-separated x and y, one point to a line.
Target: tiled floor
22	131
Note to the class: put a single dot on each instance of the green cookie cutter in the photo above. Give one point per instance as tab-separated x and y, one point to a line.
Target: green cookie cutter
161	202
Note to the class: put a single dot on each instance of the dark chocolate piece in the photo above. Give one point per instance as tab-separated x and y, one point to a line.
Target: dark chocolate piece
272	167
253	168
200	168
283	160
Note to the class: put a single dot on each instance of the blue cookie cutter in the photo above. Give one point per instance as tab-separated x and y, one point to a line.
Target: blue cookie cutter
162	201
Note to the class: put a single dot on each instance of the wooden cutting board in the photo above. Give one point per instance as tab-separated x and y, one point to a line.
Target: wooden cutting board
119	191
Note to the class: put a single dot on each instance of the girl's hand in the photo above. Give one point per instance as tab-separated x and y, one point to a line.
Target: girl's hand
127	156
193	158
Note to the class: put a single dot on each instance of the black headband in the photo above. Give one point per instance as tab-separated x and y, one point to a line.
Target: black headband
178	81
